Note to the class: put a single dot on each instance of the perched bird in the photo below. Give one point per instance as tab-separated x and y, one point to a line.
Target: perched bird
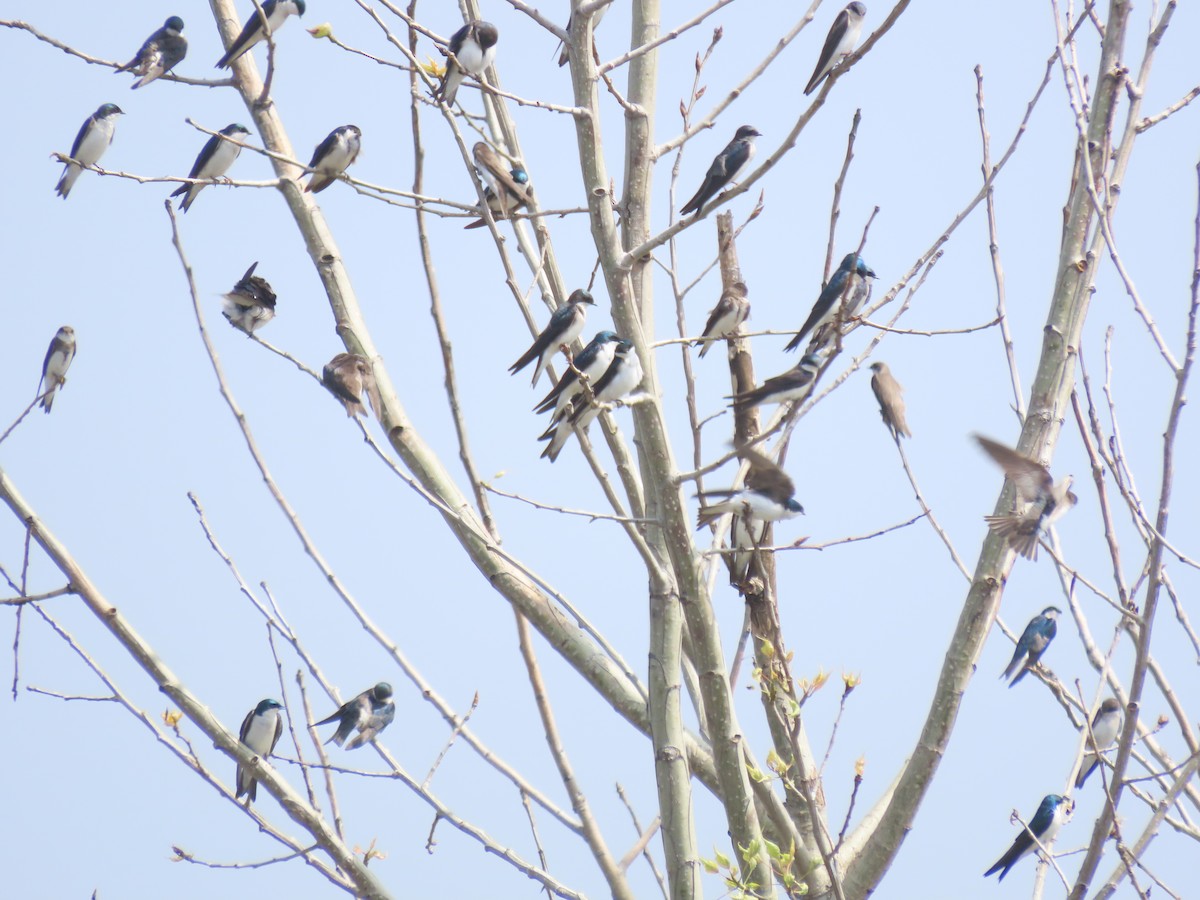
1047	500
564	326
93	139
333	156
1053	812
565	56
726	164
1033	643
891	402
346	376
212	163
593	361
724	319
746	535
791	385
1106	726
841	299
843	35
276	12
260	732
370	712
506	190
55	365
620	379
160	53
251	303
769	494
473	48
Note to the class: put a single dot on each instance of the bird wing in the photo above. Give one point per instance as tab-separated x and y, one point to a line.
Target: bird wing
1030	478
766	477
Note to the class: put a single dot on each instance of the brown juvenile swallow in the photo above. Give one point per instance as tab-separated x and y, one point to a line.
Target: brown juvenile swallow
891	404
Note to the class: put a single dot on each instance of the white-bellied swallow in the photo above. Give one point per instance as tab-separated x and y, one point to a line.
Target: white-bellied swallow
260	732
55	365
474	48
1052	813
506	189
619	380
333	156
1033	643
212	163
564	326
370	712
726	317
794	384
347	376
1046	500
160	53
843	35
1106	727
565	56
769	494
251	303
593	361
891	400
93	139
840	301
276	12
726	165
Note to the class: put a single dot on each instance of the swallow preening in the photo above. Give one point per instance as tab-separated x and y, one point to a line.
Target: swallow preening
891	402
55	365
276	13
842	37
838	302
726	317
565	325
370	712
251	303
93	139
1032	644
347	376
769	494
260	732
724	167
506	189
214	161
1106	728
1046	500
333	156
1053	812
159	54
472	49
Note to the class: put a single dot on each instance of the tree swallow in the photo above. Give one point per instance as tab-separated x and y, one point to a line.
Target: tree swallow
260	732
93	139
1033	643
565	56
791	385
1106	726
620	379
370	712
891	404
276	12
474	48
769	494
506	190
1053	812
840	42
160	53
212	163
251	303
593	361
564	326
850	284
346	376
55	365
727	164
1047	501
333	156
724	319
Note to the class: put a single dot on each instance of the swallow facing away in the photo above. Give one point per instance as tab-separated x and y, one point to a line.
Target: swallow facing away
564	326
212	163
620	379
843	35
370	712
565	56
346	376
506	189
593	361
93	139
333	156
794	384
251	303
891	402
841	299
474	48
726	165
260	732
276	12
769	494
1052	813
726	317
1047	500
55	365
160	53
1106	726
1033	643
